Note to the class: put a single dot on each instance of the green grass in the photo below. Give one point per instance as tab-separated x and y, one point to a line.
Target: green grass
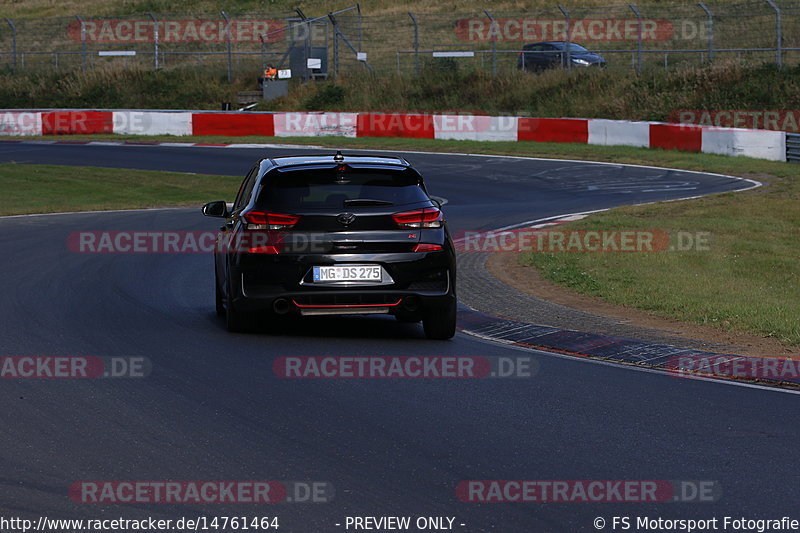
600	94
54	188
48	8
747	280
66	8
105	88
653	95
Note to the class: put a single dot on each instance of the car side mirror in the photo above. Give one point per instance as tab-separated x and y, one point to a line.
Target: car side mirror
436	201
218	209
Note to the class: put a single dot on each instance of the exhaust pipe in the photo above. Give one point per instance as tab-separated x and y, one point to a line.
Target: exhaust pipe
281	306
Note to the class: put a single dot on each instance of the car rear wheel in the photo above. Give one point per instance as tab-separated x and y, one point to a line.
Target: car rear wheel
440	323
218	299
408	318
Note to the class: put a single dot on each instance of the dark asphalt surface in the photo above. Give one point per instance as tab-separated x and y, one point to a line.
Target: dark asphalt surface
212	409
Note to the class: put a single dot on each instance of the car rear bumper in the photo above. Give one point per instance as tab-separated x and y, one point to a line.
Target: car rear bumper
280	283
349	302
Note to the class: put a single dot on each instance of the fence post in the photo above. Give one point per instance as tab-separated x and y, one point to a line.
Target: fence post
778	34
492	25
83	41
263	51
568	36
228	40
335	45
360	27
346	41
638	37
307	47
13	44
710	24
307	43
155	40
416	42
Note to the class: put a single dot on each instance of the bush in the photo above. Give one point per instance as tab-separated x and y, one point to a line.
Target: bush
593	93
328	96
110	87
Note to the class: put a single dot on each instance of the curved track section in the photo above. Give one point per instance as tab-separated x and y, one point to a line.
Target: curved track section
483	192
212	408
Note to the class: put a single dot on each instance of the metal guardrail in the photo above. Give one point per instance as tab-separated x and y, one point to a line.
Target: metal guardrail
793	147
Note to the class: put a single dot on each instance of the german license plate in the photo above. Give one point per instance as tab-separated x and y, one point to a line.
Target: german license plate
343	273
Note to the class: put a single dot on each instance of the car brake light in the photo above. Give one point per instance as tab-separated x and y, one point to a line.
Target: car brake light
265	220
425	247
430	217
269	249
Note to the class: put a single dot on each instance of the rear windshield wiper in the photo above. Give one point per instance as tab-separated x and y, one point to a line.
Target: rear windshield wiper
366	201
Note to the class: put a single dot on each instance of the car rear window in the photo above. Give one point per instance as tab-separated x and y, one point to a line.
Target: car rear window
330	188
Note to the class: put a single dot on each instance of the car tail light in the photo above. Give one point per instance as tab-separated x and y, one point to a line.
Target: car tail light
430	217
268	249
265	220
259	238
259	242
425	247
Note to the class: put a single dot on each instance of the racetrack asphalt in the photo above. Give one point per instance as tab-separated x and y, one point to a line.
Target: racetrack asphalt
212	408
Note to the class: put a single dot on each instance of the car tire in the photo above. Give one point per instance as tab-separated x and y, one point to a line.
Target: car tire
440	323
408	319
218	299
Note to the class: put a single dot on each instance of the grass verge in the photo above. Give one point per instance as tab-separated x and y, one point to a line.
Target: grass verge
747	279
55	188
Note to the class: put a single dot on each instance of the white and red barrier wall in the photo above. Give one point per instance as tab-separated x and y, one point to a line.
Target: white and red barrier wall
762	144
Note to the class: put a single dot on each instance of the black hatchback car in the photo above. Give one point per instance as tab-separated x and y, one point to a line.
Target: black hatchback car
332	235
553	54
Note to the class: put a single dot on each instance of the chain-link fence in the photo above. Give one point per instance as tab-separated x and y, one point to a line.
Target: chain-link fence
625	36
